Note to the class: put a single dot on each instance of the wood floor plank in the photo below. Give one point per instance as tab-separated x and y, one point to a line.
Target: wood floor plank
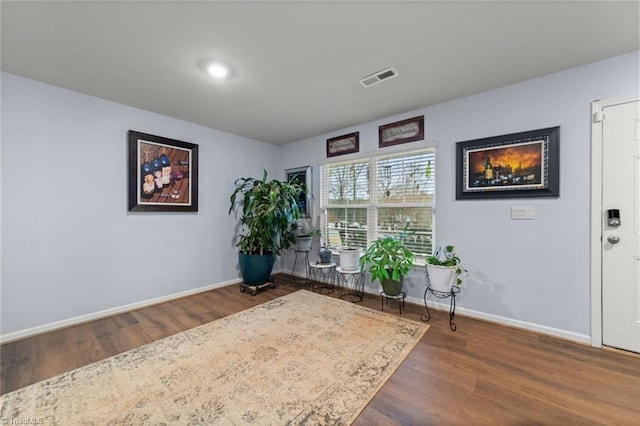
481	374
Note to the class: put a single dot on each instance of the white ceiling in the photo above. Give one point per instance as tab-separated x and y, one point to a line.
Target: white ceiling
297	64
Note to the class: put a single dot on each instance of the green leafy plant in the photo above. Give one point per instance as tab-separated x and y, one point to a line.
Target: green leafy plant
388	258
269	212
304	232
448	258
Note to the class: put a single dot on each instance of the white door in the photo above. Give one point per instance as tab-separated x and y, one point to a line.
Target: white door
621	243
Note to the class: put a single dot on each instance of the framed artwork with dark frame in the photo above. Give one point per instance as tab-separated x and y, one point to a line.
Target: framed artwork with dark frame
345	144
409	130
302	176
524	164
163	174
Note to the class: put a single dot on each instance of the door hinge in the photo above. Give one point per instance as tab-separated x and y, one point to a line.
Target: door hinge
598	116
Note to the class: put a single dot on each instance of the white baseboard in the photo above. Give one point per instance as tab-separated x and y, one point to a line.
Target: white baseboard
542	329
497	319
40	329
439	306
22	334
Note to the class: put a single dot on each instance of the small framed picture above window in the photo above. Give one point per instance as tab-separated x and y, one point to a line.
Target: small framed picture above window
345	144
409	130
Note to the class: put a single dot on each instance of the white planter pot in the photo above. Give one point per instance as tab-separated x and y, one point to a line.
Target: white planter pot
349	258
442	278
303	243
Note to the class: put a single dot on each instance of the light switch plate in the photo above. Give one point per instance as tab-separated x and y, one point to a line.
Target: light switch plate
523	213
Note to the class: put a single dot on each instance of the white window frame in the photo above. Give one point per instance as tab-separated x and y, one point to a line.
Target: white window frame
373	206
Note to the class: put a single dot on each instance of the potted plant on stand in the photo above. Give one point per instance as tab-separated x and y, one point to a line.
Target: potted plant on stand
388	260
444	269
349	257
304	238
269	212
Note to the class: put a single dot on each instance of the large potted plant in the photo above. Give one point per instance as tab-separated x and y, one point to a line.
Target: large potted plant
388	260
269	212
444	269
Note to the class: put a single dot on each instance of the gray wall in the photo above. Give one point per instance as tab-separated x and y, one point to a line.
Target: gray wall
532	271
70	248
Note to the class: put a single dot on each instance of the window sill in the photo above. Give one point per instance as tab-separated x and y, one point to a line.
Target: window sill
419	261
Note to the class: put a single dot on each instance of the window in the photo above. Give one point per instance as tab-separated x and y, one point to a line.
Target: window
363	199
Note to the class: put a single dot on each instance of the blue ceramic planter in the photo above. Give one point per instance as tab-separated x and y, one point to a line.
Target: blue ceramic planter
256	268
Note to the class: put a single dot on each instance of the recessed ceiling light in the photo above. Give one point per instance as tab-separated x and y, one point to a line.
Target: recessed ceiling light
215	68
218	70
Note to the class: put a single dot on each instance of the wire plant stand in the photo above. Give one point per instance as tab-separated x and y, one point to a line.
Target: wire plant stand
441	295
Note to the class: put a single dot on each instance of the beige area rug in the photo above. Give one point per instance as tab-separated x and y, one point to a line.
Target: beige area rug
301	359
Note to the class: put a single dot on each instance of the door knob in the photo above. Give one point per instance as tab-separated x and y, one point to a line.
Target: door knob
613	239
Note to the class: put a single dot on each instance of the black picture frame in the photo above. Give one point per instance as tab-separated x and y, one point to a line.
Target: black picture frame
345	144
524	164
302	176
163	174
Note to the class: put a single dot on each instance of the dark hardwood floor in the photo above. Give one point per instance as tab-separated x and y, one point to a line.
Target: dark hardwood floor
481	374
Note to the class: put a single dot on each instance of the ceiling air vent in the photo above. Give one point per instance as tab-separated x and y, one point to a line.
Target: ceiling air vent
378	77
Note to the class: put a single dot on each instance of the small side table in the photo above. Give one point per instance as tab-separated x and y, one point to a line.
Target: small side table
351	283
442	295
305	261
323	277
384	297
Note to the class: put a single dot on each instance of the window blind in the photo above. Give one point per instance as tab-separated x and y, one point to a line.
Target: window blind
363	199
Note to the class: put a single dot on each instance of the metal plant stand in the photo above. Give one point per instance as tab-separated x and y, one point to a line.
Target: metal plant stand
305	260
323	277
384	297
442	295
351	283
